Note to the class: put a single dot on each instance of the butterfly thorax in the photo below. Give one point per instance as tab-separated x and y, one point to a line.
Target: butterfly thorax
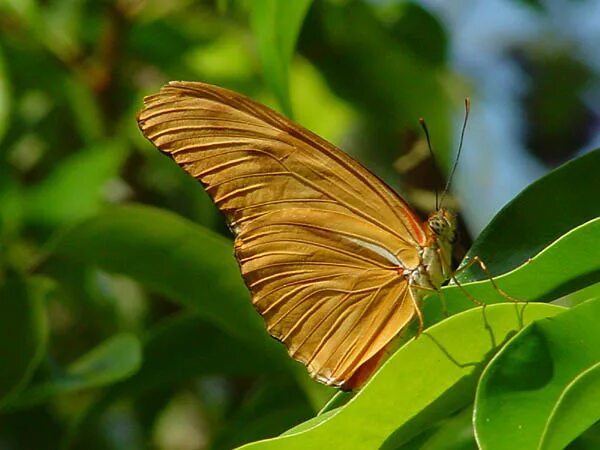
436	255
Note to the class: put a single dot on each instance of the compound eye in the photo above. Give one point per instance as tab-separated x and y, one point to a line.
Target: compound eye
435	226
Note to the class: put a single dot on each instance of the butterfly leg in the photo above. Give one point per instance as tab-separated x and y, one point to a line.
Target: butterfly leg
452	277
443	303
442	297
483	267
477	260
415	301
467	293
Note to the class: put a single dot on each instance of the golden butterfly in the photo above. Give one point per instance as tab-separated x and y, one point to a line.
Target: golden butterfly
336	262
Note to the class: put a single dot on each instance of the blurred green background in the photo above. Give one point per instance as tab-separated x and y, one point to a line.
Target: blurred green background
116	331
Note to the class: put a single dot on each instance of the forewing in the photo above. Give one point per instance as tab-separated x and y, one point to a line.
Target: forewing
319	238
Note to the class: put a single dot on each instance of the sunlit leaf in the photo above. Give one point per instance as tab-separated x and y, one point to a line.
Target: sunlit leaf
541	390
576	409
276	25
453	433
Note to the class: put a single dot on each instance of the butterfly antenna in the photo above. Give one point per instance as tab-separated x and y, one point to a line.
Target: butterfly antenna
426	131
460	146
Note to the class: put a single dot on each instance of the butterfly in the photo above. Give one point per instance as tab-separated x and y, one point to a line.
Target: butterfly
336	262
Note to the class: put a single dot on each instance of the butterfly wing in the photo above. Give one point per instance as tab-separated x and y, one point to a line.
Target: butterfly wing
319	239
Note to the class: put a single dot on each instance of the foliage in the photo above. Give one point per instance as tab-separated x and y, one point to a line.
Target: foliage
124	322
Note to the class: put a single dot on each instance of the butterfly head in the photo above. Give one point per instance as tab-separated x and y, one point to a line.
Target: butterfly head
442	225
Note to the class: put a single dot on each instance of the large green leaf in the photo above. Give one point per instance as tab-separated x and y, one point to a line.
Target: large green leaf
575	410
111	361
453	433
86	112
541	390
23	333
424	381
175	257
545	210
276	25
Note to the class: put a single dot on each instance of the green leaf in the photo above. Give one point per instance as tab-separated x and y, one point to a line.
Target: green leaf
454	433
545	210
87	116
113	360
174	257
189	346
339	399
276	25
23	333
589	440
76	188
541	390
424	381
580	296
421	32
575	410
